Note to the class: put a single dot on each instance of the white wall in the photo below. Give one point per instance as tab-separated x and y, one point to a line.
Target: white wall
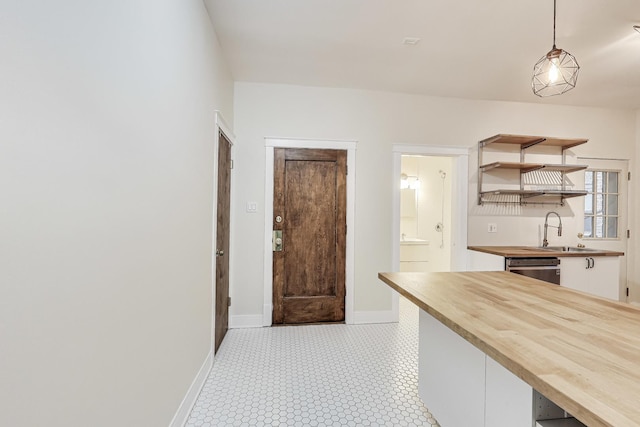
106	165
377	120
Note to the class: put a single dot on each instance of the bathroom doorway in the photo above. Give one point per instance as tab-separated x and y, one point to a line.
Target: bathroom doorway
430	208
425	213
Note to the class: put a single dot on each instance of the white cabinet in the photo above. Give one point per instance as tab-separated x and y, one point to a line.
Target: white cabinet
481	261
414	255
508	400
463	387
451	375
598	275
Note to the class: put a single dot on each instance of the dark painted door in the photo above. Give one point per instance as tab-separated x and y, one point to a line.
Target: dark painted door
310	211
222	239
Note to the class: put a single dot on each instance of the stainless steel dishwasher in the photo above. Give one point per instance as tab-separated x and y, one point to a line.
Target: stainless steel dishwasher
547	269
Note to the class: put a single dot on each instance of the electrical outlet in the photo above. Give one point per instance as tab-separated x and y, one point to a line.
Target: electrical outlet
492	227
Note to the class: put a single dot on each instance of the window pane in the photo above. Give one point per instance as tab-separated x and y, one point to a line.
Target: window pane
588	226
612	182
601	210
612	227
599	227
612	204
588	181
599	204
599	182
588	204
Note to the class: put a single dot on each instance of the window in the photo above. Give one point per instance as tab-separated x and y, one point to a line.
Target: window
601	204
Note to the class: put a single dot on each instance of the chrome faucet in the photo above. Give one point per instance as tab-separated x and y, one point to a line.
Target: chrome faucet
545	242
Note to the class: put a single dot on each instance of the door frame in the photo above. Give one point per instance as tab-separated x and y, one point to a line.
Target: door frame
350	147
460	190
220	125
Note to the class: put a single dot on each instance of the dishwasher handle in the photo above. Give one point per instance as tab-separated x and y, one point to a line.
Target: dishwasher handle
544	267
531	262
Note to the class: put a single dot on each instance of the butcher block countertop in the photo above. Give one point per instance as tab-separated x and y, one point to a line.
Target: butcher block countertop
534	252
580	351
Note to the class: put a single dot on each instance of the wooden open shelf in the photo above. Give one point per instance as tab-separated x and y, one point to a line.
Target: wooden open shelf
529	167
536	193
541	175
526	141
529	196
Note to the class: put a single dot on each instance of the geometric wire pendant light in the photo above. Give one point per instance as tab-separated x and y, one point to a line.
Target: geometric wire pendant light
557	71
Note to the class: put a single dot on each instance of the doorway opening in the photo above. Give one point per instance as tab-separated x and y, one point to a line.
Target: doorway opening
425	213
443	173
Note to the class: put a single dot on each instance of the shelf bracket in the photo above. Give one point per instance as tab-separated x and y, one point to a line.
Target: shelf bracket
532	143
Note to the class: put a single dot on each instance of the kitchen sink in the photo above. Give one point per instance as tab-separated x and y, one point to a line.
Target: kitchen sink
568	249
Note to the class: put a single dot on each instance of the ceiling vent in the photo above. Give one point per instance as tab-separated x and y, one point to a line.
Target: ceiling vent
411	41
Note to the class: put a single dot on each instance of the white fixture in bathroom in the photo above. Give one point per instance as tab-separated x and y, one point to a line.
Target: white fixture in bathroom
409	181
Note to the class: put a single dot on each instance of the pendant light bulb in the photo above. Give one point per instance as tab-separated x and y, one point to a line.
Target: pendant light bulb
554	71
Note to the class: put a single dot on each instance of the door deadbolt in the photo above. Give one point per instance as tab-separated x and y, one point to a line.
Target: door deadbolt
278	219
277	240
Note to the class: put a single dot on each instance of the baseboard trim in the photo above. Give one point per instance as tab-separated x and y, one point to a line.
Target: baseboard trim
363	317
182	414
245	321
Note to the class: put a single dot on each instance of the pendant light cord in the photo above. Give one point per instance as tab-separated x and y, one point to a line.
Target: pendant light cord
554	24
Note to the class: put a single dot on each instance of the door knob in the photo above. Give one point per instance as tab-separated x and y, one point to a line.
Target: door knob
219	252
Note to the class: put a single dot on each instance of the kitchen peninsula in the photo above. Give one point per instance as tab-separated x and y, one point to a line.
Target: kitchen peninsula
490	340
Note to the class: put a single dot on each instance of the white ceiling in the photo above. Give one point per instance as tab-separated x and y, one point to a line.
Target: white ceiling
477	49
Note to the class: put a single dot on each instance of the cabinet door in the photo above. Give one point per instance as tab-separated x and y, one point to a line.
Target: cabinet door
451	375
509	400
573	273
599	277
481	261
604	277
414	252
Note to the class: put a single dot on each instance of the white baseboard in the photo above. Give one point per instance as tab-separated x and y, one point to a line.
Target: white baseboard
363	317
182	414
245	321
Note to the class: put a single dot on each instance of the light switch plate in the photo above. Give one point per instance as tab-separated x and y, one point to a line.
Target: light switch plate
252	207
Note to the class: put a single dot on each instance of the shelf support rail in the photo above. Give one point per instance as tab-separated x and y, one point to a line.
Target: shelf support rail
532	143
481	145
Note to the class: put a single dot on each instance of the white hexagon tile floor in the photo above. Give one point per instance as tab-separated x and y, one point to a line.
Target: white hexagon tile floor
317	375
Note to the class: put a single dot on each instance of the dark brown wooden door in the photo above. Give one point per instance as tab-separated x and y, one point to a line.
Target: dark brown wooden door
309	208
222	239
